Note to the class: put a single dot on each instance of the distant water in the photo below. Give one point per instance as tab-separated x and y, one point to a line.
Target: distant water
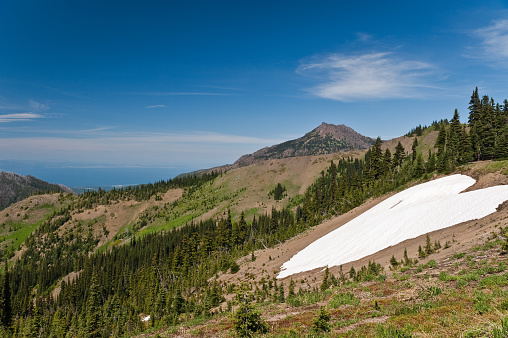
79	178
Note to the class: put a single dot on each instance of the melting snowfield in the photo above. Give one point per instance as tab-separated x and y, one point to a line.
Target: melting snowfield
413	212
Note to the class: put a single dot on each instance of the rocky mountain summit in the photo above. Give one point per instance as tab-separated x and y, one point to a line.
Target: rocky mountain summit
325	139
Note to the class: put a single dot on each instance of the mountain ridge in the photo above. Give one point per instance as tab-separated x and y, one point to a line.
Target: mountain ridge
325	139
15	188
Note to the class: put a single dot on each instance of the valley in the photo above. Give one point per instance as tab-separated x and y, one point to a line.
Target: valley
191	255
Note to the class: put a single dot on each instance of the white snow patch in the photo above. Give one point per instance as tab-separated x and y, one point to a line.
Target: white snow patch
413	212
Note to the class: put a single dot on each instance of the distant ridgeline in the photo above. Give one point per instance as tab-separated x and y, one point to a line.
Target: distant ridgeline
325	139
169	275
15	188
142	192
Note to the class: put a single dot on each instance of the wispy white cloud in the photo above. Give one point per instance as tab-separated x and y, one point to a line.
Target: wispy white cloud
494	39
367	76
17	117
93	130
363	36
37	106
157	106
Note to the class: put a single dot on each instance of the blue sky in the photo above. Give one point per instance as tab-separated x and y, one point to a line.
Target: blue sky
194	84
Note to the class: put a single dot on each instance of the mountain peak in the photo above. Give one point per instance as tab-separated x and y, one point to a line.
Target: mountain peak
325	139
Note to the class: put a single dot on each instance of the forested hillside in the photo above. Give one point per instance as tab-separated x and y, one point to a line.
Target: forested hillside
62	282
14	188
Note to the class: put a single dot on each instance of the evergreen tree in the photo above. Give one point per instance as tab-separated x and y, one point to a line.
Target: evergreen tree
93	307
441	139
291	290
419	167
325	284
247	321
413	149
431	163
5	299
387	160
36	324
407	260
428	246
466	148
321	323
475	123
393	261
454	138
421	252
375	161
282	298
238	232
485	129
399	155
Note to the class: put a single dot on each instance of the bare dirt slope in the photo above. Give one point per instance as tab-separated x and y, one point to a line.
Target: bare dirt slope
120	214
426	141
256	181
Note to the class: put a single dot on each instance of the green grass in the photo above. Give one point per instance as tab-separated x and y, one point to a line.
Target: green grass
249	214
308	298
342	298
13	240
167	226
459	255
493	281
492	167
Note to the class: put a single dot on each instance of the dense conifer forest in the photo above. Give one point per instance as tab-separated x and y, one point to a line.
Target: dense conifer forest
61	286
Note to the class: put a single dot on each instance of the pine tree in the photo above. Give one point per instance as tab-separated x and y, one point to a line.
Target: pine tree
321	323
282	298
428	246
441	139
413	149
431	163
247	321
36	324
407	260
325	284
475	123
399	155
375	161
465	148
291	290
485	129
421	252
387	160
454	138
93	307
419	167
5	299
393	261
352	273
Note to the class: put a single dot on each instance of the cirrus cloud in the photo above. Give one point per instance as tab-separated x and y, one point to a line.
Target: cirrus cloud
156	106
368	76
494	39
17	117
